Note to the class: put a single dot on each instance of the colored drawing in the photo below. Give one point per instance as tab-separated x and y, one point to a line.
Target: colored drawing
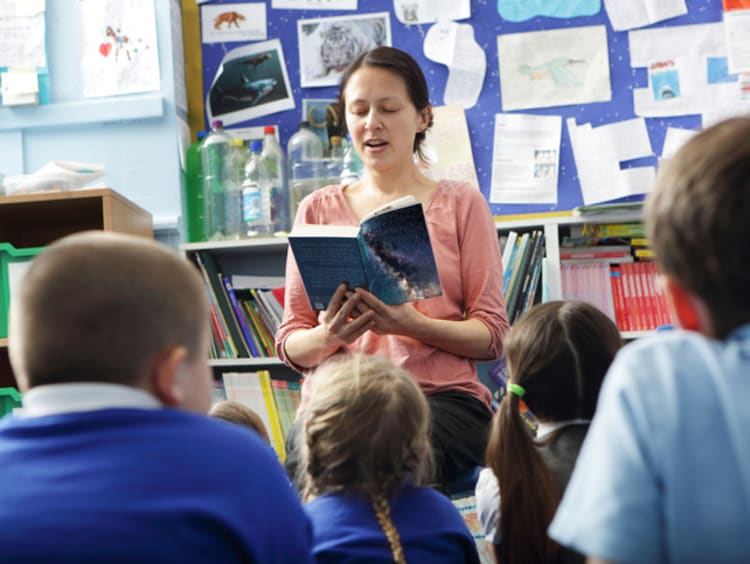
522	10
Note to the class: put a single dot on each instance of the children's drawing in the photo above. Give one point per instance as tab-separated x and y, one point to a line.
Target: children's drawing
558	67
523	10
119	49
561	71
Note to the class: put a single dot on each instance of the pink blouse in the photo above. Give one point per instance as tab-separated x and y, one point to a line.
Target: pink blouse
467	253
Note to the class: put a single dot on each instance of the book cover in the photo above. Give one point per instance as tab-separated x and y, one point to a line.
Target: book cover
389	254
248	339
277	435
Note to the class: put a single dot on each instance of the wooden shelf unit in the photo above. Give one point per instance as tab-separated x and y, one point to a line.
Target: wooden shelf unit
35	220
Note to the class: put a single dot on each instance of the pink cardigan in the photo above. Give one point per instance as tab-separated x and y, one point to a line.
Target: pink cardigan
467	253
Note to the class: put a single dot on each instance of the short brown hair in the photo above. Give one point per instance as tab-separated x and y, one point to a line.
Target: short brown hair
698	220
239	413
402	64
96	307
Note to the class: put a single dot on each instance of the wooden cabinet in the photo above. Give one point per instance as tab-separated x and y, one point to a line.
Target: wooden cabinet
35	220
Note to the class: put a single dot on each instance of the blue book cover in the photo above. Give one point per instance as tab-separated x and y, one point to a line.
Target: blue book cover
389	254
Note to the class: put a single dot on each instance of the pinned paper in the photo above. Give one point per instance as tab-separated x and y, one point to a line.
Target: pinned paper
20	87
428	11
629	14
453	44
523	10
599	153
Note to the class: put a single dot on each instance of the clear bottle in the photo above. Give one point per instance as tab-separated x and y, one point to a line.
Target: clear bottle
256	195
233	226
336	160
351	168
194	205
215	161
274	165
304	153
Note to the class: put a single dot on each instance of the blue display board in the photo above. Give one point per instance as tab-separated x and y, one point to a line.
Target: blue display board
487	24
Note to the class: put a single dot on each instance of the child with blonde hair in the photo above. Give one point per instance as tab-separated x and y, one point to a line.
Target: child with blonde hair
366	448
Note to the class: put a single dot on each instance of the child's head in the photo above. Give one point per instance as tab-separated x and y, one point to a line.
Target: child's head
557	354
365	427
239	413
113	308
698	220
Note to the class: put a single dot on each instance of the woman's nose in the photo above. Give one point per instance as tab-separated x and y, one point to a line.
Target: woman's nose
373	121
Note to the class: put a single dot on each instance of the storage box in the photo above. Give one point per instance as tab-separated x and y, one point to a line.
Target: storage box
13	263
10	398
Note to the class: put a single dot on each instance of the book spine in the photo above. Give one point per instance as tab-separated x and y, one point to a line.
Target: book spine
273	414
248	340
222	330
618	295
518	272
259	330
536	251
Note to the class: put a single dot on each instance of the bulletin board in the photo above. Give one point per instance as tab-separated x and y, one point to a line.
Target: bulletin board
487	24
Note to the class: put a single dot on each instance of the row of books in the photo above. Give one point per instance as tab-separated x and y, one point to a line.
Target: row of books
274	400
629	292
522	260
243	320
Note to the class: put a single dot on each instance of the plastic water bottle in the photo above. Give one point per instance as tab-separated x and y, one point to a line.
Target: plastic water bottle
256	195
274	165
194	206
336	160
305	159
351	168
233	199
215	161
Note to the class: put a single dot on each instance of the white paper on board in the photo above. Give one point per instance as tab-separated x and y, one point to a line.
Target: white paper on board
427	11
598	153
525	159
453	44
630	14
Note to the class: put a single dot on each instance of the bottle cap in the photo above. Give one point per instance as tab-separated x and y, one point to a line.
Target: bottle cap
304	124
201	134
256	146
335	140
269	129
236	142
216	123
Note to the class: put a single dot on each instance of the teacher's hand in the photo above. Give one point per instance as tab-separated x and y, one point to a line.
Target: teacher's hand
345	320
387	319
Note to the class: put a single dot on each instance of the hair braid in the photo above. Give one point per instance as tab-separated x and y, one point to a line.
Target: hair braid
383	514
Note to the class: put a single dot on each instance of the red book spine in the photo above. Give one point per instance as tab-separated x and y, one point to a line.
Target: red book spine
618	297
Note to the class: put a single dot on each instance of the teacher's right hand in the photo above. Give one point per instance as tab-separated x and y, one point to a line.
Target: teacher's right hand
344	320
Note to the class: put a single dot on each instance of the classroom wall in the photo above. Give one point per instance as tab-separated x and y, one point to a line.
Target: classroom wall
134	136
487	25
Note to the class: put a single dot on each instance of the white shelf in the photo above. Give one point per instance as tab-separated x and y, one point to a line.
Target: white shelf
230	362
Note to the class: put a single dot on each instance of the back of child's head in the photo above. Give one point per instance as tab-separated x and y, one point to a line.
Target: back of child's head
366	427
557	355
698	220
239	413
98	307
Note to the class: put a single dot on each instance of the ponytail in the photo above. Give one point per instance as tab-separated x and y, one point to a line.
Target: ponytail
528	492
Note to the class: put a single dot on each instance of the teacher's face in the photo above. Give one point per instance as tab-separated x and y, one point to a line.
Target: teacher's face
382	119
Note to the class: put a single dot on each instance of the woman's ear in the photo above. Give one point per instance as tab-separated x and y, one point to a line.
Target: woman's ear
689	311
163	376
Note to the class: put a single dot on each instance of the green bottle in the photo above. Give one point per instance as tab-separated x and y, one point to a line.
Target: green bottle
193	200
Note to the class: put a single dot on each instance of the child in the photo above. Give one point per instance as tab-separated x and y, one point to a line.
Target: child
557	355
664	474
239	413
113	457
366	446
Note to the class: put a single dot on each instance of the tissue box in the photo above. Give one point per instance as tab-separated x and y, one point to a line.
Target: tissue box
13	263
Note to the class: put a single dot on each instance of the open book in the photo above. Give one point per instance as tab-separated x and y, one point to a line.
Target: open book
389	254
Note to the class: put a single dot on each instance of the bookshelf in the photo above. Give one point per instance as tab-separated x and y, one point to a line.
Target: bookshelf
35	220
261	257
555	227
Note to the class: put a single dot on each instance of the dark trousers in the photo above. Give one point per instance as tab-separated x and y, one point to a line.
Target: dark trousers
458	432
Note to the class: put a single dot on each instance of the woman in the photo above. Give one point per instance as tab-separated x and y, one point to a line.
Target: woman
386	105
